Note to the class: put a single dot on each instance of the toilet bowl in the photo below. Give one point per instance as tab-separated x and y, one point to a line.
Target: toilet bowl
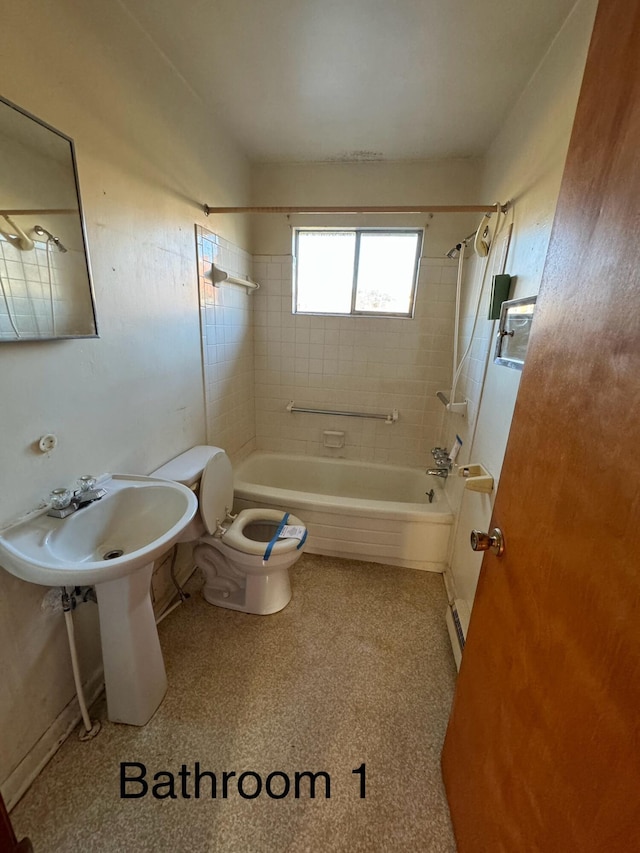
245	558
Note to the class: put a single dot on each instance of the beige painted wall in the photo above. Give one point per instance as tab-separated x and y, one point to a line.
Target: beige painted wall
147	154
419	182
524	163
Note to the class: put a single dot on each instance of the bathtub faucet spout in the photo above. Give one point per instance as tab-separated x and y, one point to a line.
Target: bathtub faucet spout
438	472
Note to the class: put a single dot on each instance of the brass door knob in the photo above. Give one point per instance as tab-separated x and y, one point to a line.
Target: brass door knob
493	541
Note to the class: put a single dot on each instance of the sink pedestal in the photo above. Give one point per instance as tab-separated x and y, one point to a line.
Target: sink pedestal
134	674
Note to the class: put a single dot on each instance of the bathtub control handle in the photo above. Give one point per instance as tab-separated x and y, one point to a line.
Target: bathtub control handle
493	541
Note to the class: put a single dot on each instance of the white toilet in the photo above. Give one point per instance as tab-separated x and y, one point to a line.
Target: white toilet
244	558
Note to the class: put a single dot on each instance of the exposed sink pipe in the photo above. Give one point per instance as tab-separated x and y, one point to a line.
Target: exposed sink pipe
91	729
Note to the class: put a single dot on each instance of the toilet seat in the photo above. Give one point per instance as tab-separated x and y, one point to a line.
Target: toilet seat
235	538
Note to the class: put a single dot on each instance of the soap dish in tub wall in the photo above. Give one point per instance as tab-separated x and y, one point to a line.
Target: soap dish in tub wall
477	478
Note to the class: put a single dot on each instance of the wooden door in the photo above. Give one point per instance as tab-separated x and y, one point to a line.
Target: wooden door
8	841
543	747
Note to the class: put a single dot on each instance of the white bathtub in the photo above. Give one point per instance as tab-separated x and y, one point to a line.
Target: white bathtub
358	510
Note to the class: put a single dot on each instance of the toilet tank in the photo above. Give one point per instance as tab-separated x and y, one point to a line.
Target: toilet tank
187	468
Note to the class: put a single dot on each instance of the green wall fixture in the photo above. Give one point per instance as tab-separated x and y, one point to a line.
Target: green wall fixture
499	293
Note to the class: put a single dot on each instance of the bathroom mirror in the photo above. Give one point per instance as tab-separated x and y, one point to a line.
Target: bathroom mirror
45	278
516	317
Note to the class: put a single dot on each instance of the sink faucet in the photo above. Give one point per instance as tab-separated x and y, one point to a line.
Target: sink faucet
89	496
64	503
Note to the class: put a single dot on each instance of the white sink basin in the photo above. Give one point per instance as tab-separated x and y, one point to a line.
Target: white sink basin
139	516
138	519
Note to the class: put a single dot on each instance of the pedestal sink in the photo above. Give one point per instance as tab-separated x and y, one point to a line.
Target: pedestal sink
111	544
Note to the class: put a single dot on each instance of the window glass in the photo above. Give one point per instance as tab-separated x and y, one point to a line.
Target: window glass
325	271
356	271
386	270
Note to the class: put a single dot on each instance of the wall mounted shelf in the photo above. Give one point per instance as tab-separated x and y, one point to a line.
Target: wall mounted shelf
219	277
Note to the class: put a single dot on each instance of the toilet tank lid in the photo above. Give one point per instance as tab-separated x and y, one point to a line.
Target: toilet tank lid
187	468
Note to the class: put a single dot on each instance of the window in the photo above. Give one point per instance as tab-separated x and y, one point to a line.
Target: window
356	271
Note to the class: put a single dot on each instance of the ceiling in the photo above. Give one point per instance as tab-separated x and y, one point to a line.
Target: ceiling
353	80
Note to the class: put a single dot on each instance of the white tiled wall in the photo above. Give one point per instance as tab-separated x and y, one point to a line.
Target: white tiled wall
43	295
352	363
227	346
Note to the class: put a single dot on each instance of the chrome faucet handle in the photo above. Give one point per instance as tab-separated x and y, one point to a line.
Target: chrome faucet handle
60	498
441	456
443	462
86	482
61	503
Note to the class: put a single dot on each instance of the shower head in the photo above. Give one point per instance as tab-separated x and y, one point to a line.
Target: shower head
481	241
40	231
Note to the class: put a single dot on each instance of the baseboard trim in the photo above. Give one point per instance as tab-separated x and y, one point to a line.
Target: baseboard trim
24	774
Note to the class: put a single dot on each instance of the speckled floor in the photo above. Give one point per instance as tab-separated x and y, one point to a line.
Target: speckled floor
357	669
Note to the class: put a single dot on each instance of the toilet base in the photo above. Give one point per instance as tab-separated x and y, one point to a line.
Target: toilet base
260	595
258	589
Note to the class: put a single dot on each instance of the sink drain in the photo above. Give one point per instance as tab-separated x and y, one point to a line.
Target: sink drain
111	555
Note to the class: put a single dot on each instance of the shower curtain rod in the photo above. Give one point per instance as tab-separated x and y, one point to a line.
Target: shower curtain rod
38	211
411	208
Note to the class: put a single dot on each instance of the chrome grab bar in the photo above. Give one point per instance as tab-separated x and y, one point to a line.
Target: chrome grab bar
391	418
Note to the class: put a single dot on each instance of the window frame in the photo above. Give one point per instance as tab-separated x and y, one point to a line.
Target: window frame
358	231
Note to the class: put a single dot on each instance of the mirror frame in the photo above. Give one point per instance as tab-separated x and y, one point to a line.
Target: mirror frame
83	229
501	355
